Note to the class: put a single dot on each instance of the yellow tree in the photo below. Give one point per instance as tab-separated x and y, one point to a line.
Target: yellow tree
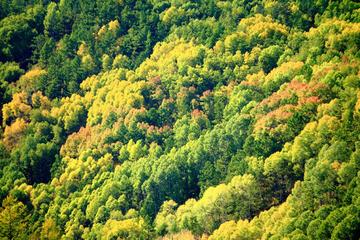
13	219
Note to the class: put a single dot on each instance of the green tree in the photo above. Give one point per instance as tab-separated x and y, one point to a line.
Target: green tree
53	22
269	56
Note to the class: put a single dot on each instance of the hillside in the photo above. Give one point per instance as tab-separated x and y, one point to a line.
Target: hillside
173	119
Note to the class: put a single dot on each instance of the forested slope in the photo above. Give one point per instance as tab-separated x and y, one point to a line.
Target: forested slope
171	119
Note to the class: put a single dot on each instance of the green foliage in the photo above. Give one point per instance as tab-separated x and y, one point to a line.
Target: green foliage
9	73
126	119
238	199
17	33
53	21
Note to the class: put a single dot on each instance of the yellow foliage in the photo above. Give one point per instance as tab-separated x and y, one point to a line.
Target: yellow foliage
262	27
28	81
224	231
14	219
219	47
211	207
14	132
50	230
25	188
102	31
88	62
114	25
184	235
17	108
336	166
33	73
90	83
254	79
252	57
294	7
120	61
335	30
167	14
278	216
288	68
169	58
38	100
71	110
273	162
117	97
83	49
328	124
171	14
330	108
82	168
124	229
260	227
357	105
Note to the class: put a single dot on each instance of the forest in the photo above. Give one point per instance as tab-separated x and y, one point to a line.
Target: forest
181	120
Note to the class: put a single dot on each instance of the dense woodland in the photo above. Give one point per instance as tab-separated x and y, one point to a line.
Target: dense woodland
174	119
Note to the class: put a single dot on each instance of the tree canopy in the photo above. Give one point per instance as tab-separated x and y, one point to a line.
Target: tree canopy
159	119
